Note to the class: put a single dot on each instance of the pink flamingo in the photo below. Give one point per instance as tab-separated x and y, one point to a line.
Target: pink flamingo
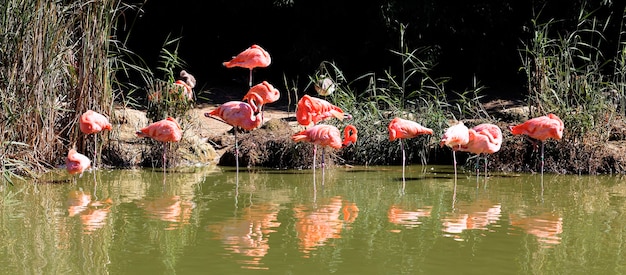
485	139
455	136
91	122
326	136
261	94
186	84
166	130
76	163
239	115
400	129
251	58
540	128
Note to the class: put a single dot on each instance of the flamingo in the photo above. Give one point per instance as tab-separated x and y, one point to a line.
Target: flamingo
166	130
313	110
92	123
400	129
251	58
186	83
540	128
326	136
261	94
239	115
455	136
325	86
485	139
76	163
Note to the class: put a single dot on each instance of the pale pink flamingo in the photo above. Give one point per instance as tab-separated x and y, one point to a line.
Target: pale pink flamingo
239	115
485	139
455	136
251	58
400	128
166	130
76	163
261	94
540	128
91	122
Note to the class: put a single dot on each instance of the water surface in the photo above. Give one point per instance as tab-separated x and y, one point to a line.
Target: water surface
360	220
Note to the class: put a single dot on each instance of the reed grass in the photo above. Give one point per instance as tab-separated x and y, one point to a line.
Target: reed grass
59	59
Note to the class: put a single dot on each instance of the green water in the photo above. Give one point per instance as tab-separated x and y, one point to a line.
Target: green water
359	220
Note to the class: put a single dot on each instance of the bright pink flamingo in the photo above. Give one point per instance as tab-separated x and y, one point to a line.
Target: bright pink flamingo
485	139
92	123
455	136
313	110
251	58
400	129
540	128
326	136
261	94
239	115
166	130
76	163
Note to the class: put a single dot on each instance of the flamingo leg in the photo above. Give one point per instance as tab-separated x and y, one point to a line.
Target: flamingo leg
95	150
237	151
323	157
454	162
164	157
314	157
403	158
485	166
250	83
542	158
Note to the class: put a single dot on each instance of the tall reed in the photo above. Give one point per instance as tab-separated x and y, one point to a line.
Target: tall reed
54	67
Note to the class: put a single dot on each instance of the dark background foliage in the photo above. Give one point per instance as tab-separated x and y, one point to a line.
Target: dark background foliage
468	39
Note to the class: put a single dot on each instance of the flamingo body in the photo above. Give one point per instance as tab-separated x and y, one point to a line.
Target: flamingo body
325	86
91	122
76	163
313	110
327	136
237	113
455	136
261	94
484	138
253	57
166	130
540	128
401	128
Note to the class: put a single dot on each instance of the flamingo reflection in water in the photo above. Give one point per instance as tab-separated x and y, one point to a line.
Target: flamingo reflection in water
173	209
249	233
547	227
316	225
475	215
93	213
399	215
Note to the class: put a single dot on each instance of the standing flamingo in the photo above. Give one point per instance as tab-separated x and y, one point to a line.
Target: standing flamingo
540	128
485	139
76	163
166	130
326	136
455	136
313	110
239	115
261	94
400	129
92	123
251	58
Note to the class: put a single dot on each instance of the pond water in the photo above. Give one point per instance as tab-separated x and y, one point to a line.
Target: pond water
358	220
